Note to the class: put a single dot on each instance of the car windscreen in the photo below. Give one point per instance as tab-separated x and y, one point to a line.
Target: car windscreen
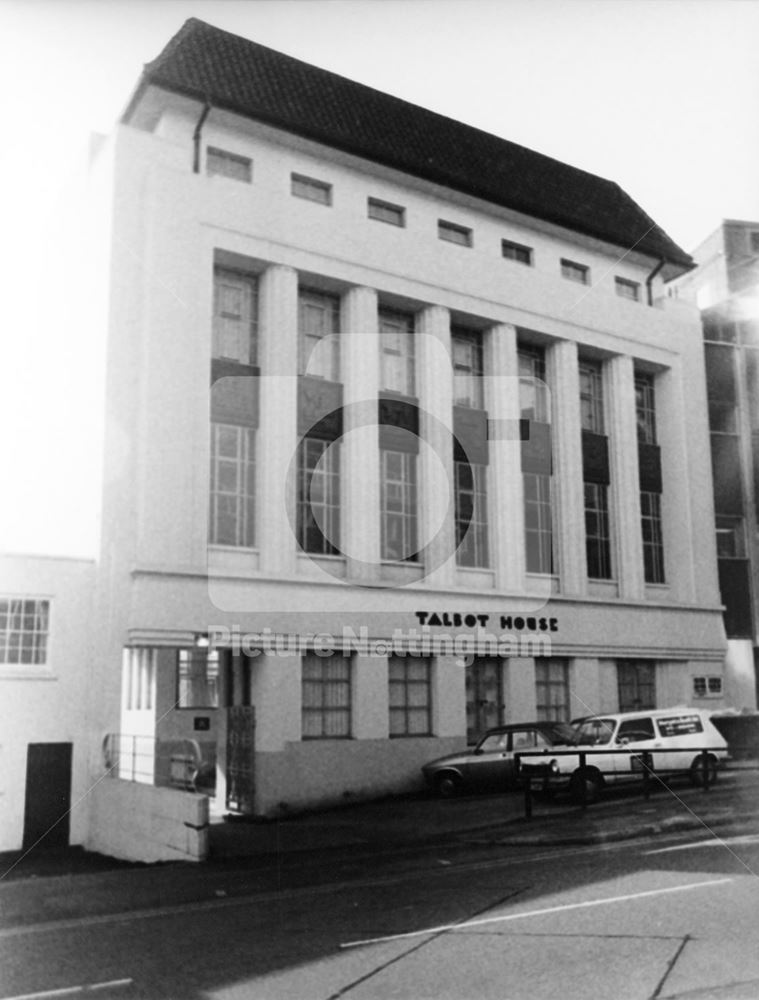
595	731
562	732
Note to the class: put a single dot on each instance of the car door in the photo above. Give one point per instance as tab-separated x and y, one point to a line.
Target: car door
487	768
633	734
523	741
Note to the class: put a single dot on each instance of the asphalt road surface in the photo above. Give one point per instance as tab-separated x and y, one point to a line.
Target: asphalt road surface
645	920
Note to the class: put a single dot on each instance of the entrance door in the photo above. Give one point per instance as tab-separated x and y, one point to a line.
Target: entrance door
484	697
241	740
48	795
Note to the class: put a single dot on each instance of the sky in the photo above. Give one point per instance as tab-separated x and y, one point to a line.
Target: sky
662	96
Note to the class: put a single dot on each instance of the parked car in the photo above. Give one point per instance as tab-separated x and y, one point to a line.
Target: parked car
682	732
490	764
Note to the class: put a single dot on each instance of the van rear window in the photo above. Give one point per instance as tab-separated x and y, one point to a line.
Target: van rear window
680	725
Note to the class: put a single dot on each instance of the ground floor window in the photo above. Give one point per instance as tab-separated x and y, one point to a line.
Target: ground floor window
139	670
198	678
484	696
326	696
636	685
232	493
410	696
552	690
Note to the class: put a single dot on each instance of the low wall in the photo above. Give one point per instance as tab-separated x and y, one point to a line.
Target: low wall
137	822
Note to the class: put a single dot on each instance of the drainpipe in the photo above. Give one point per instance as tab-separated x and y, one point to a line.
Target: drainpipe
650	279
196	137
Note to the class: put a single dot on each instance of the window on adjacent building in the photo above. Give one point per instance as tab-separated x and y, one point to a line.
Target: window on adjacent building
466	351
552	690
385	211
591	397
627	289
575	272
326	697
516	251
222	163
636	685
453	233
653	544
538	522
410	696
396	334
232	494
235	316
597	534
319	496
731	538
139	673
318	335
753	238
398	506
534	402
198	678
24	625
311	189
707	687
723	417
645	407
471	515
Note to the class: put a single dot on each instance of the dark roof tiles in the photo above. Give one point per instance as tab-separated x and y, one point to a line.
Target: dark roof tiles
257	82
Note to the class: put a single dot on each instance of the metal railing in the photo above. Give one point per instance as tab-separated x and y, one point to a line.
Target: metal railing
645	758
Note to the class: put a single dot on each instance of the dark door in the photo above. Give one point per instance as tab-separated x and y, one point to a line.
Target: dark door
48	795
241	772
484	697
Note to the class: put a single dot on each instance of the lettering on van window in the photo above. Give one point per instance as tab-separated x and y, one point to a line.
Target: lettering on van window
680	725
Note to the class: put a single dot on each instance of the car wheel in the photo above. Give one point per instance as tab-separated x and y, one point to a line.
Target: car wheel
447	785
592	781
697	770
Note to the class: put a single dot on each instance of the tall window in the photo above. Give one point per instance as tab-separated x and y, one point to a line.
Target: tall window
235	316
466	350
538	522
24	625
139	673
398	507
731	537
645	408
534	406
591	397
597	535
552	690
326	697
232	499
636	685
653	543
318	329
396	332
410	696
319	496
198	678
471	515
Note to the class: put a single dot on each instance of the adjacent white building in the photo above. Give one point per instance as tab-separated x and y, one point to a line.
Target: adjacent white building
381	384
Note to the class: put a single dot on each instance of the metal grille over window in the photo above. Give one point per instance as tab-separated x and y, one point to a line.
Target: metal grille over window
326	697
398	507
319	497
235	312
232	497
24	628
471	515
410	696
198	678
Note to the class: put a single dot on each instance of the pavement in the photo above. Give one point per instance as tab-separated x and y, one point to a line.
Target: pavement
254	857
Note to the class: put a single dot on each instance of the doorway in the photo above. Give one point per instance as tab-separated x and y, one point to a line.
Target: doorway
48	795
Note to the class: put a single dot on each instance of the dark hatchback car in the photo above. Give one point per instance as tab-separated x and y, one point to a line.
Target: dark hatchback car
490	764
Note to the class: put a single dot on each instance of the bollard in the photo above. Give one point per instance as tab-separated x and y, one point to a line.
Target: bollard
646	762
528	798
583	786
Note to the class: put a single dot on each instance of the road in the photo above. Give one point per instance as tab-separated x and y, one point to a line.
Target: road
653	919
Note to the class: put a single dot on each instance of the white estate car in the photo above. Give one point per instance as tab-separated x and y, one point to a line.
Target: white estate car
682	732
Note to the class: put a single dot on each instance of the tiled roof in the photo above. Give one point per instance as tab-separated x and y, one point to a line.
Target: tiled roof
252	80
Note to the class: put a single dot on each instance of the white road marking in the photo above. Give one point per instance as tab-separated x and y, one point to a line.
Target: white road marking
748	838
68	991
535	913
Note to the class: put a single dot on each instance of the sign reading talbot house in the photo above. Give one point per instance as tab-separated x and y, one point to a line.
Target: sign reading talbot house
518	623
